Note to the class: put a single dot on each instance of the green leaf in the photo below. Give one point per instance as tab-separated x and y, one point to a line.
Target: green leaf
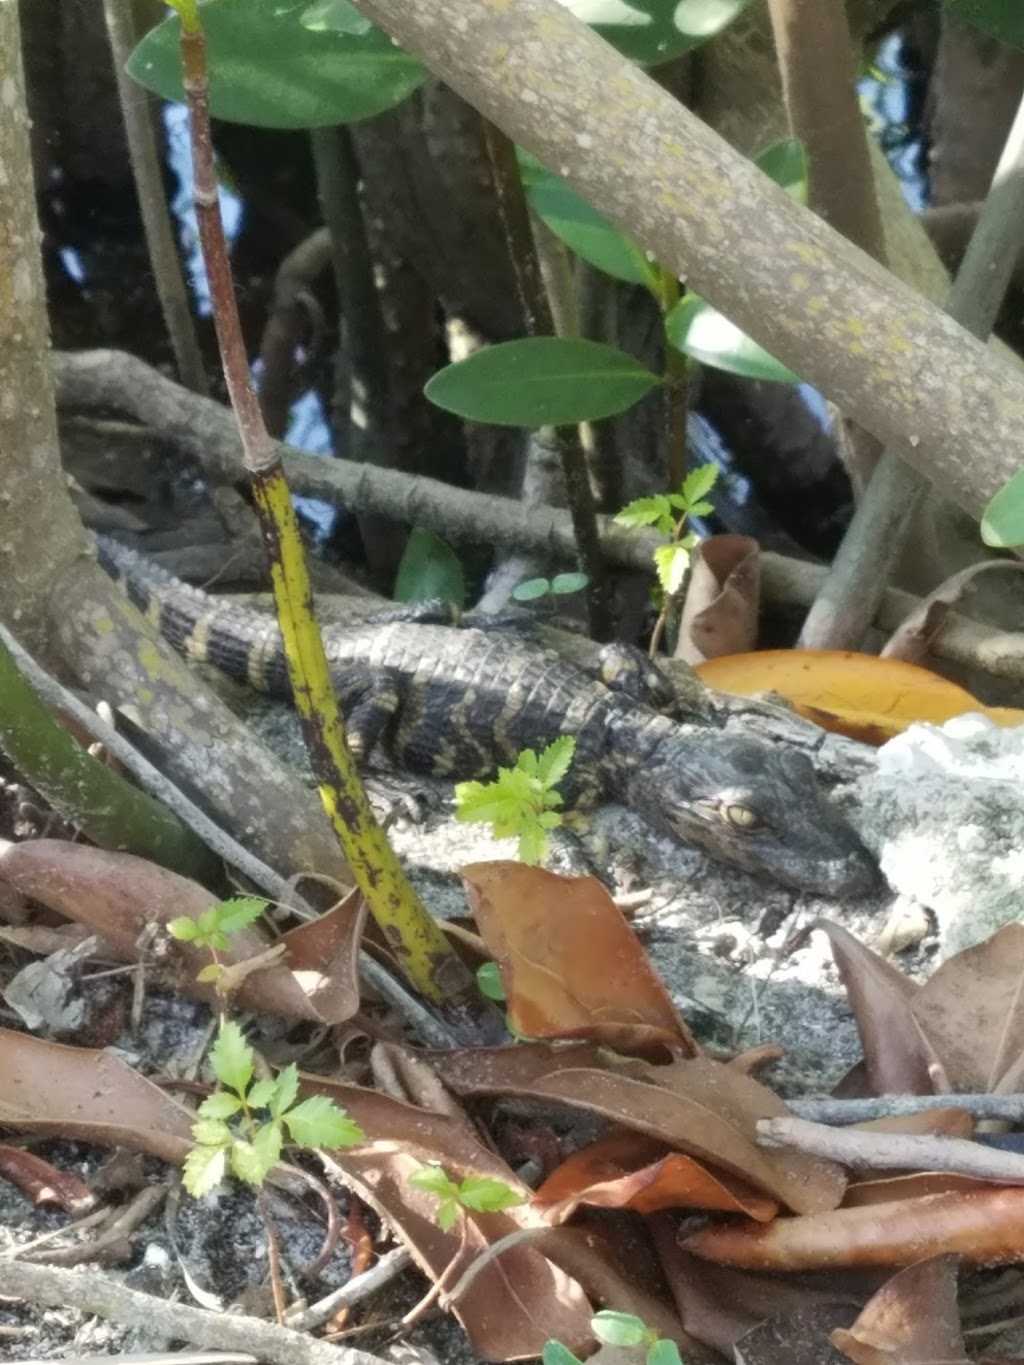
319	1122
700	331
585	231
184	929
530	589
564	583
671	563
488	978
555	1353
204	1169
664	1353
1003	519
618	1329
1001	19
211	973
429	568
698	484
652	31
212	1132
533	844
554	762
268	67
541	381
267	1144
786	163
447	1214
432	1180
286	1090
237	914
247	1162
261	1094
336	16
655	511
231	1058
222	1104
484	1194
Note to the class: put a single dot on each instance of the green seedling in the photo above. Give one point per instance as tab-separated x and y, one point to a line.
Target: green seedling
562	585
669	514
480	1193
521	801
623	1330
241	1128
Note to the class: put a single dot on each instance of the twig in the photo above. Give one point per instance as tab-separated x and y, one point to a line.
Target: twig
203	430
388	1268
137	113
847	603
1007	1107
872	1150
89	1291
515	217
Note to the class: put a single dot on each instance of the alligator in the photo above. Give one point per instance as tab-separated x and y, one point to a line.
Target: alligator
458	701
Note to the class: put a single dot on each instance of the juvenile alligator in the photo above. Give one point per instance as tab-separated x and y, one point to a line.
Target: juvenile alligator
458	702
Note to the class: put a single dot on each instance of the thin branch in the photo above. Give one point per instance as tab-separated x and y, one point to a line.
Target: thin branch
868	1149
863	566
1009	1108
91	1291
204	431
515	216
137	112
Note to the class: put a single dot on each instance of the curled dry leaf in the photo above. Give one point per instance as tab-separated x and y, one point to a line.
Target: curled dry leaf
695	1105
924	625
972	1008
912	1320
518	1299
116	895
624	1170
899	1057
570	963
42	1183
720	611
721	1306
984	1226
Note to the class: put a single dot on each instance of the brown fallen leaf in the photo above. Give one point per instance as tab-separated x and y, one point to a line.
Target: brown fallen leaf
972	1009
899	1058
984	1226
695	1105
570	963
720	610
520	1298
116	895
916	635
912	1320
722	1306
624	1170
92	1095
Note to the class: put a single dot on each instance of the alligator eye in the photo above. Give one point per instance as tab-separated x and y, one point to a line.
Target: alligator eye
741	816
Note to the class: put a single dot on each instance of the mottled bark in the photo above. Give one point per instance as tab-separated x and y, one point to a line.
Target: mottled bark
891	361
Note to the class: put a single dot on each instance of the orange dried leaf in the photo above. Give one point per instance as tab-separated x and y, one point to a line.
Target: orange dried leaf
859	695
570	963
625	1170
